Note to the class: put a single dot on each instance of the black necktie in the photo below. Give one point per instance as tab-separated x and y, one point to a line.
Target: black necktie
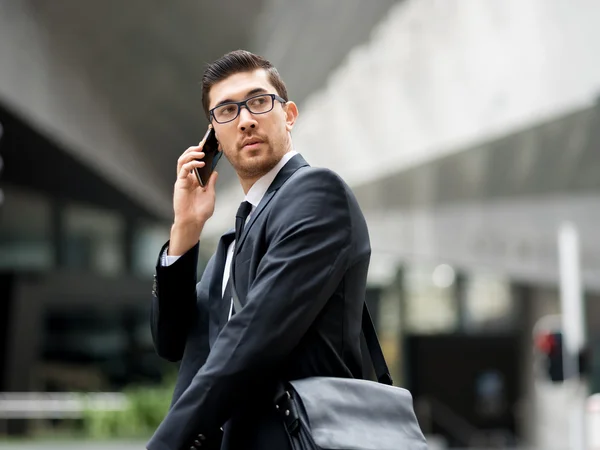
240	220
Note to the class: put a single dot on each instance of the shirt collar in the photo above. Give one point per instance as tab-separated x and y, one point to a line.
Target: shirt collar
259	189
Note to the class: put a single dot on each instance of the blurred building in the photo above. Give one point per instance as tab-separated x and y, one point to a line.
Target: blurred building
469	131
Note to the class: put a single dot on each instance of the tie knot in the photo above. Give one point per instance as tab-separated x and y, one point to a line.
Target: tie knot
244	210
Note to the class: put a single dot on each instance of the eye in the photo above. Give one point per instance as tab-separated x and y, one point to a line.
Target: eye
229	109
258	101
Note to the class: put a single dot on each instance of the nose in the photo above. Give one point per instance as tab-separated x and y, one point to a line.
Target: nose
247	120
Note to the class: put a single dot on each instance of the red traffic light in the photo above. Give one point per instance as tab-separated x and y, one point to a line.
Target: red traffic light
547	343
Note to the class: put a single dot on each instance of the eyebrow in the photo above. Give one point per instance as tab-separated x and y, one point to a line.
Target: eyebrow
250	93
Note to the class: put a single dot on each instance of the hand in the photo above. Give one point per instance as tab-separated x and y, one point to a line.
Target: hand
193	204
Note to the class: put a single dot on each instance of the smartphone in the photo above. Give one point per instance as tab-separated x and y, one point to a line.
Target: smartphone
211	157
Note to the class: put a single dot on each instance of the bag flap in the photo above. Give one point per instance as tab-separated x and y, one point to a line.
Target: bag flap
354	414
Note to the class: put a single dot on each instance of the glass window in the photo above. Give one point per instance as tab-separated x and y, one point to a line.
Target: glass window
430	299
489	304
97	349
25	230
93	240
147	242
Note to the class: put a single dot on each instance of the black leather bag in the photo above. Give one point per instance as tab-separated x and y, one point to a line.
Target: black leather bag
326	413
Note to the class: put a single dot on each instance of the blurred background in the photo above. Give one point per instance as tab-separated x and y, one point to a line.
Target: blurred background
468	129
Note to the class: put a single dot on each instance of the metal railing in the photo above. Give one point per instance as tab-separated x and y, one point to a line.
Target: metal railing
57	405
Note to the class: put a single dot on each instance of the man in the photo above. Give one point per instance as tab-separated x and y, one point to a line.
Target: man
300	267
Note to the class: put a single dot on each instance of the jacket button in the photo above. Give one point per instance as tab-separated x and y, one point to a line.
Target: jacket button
201	437
197	443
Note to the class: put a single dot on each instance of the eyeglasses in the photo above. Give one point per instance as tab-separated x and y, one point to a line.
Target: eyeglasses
259	104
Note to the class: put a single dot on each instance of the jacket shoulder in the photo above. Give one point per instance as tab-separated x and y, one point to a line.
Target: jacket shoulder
314	177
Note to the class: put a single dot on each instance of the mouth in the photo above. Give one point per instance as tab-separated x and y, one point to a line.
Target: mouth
251	144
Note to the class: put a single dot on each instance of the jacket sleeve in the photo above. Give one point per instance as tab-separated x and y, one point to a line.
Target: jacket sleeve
309	234
173	304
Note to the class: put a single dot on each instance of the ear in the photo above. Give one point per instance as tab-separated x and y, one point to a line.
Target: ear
291	115
217	139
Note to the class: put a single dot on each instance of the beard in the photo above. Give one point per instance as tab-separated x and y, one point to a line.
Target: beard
257	166
253	164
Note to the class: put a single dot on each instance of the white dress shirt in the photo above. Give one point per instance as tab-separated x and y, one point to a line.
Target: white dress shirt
254	196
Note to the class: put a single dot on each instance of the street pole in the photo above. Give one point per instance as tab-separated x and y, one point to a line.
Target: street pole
572	311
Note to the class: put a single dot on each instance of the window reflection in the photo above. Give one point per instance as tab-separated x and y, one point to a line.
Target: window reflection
489	304
93	240
25	230
95	349
430	300
147	242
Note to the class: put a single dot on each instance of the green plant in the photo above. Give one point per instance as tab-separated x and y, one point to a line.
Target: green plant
146	407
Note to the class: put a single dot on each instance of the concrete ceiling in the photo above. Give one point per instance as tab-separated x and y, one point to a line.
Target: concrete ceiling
557	157
141	62
145	60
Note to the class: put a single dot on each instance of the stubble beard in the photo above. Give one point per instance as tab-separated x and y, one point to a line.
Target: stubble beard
257	166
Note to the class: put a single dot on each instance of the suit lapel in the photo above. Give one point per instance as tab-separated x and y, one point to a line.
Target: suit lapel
284	174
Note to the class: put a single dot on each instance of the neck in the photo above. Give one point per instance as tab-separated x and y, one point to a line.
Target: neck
248	182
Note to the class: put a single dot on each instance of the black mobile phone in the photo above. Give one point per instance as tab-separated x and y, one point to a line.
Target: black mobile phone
211	157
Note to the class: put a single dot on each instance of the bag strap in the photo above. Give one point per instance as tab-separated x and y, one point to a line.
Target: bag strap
381	368
382	372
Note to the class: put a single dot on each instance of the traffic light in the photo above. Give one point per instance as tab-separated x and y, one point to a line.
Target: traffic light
550	348
550	356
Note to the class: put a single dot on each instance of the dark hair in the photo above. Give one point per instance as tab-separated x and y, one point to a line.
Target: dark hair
236	62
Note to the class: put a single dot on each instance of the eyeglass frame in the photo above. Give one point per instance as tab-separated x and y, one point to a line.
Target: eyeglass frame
244	104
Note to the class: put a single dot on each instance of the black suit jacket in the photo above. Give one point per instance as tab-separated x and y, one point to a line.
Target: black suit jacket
300	272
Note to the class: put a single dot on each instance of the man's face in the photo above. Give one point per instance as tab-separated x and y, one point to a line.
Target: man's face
253	143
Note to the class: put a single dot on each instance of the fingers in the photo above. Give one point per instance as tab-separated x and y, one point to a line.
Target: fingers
194	148
188	167
187	157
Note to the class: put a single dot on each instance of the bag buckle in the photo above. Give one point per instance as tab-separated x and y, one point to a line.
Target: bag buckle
287	409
